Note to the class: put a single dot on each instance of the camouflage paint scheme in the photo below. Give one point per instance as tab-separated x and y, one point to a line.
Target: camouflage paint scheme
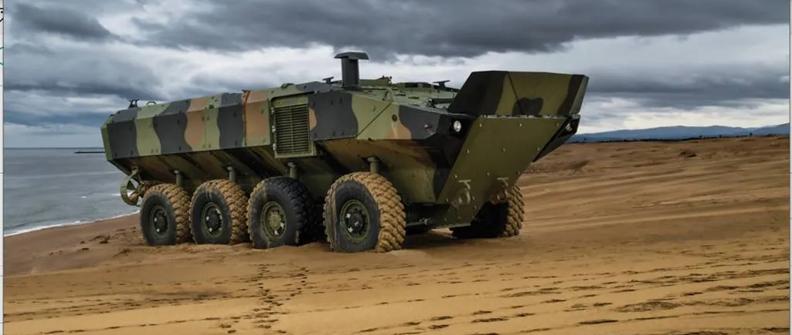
509	119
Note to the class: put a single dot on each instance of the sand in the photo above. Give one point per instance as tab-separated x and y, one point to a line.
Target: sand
620	238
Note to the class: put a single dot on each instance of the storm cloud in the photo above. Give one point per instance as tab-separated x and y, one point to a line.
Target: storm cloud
64	21
447	28
68	65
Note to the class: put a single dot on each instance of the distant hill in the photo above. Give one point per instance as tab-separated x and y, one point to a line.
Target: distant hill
680	133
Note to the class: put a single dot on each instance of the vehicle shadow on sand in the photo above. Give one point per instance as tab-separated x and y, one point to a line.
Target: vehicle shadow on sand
440	238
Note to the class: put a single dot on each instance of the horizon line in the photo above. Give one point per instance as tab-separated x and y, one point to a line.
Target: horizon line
577	134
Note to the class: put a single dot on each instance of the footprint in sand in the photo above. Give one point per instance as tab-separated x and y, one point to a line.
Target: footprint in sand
522	315
553	301
440	318
648	306
495	319
596	322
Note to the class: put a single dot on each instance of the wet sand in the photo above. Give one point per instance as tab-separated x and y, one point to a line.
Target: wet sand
620	238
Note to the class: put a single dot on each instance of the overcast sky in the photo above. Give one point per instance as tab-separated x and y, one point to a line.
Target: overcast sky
69	64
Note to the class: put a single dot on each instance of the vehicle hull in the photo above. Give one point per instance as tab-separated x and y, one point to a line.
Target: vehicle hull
318	132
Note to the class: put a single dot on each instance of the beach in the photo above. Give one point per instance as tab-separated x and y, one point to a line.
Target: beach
687	237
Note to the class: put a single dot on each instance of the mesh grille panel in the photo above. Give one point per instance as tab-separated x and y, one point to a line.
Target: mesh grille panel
292	133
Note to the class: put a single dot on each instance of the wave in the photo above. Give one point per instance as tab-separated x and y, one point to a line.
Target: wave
73	223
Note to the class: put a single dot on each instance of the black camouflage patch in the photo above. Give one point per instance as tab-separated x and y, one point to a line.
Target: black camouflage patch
421	123
122	130
528	106
334	116
230	120
170	122
572	91
480	94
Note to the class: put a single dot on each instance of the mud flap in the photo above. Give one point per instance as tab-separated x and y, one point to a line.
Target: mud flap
495	153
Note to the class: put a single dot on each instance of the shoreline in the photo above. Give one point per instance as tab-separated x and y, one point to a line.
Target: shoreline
70	246
70	224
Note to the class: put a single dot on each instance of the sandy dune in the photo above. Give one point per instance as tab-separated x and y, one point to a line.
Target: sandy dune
621	238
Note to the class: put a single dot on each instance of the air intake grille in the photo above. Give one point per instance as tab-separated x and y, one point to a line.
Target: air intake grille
292	133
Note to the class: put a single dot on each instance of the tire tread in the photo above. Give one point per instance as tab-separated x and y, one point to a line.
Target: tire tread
392	218
180	202
297	194
237	203
513	219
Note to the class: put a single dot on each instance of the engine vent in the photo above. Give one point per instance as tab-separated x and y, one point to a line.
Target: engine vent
292	132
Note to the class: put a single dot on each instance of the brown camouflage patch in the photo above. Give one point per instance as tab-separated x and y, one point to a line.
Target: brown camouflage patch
256	118
196	126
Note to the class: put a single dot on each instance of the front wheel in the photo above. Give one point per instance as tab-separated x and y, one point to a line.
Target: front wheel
363	211
502	219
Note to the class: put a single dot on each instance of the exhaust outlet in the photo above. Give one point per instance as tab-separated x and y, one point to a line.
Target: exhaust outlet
350	74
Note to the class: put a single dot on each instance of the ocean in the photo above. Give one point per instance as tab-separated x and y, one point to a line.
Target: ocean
54	187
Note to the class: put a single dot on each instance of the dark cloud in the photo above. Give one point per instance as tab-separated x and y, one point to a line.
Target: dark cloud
706	85
42	106
62	20
63	66
60	85
36	67
448	28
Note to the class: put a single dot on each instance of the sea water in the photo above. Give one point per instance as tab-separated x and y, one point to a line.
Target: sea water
54	187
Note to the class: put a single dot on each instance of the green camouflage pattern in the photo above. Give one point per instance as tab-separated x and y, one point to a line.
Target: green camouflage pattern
509	119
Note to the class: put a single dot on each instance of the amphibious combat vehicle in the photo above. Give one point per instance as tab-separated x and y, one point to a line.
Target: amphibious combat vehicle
356	162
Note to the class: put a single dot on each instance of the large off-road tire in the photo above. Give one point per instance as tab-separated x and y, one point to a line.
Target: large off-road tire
363	211
503	219
279	212
164	218
218	213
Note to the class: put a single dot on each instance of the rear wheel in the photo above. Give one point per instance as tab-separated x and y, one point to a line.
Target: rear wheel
218	213
164	216
363	211
503	219
279	212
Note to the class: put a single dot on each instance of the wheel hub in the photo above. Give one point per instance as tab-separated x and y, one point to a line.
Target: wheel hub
354	222
273	219
354	219
212	218
159	219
